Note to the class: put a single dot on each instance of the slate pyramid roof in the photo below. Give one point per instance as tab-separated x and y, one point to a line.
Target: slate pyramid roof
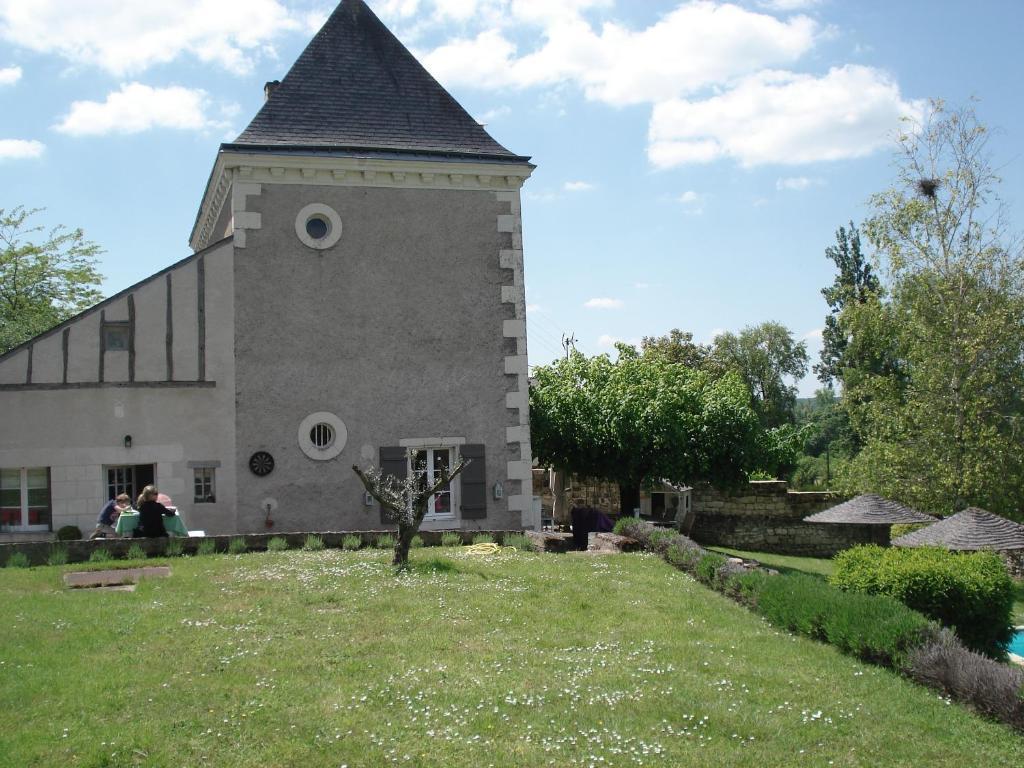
969	530
870	509
356	88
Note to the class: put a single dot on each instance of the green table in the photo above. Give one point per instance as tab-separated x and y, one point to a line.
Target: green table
128	522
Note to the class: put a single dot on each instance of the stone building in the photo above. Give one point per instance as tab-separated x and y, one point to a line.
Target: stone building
355	291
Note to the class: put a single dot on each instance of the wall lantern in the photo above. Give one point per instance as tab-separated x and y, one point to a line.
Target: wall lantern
127	441
499	491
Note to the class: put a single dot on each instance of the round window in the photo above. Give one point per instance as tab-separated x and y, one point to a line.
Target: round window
317	227
321	435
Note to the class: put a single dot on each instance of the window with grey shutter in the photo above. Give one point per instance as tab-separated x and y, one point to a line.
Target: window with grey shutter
392	462
474	483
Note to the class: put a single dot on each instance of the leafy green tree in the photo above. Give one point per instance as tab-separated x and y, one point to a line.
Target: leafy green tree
948	434
854	284
643	417
45	282
765	356
677	347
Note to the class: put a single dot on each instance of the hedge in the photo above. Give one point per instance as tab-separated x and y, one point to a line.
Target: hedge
970	593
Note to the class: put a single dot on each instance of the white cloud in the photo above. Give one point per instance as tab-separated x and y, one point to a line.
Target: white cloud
20	149
577	186
797	183
10	75
692	202
814	335
534	308
697	45
786	6
604	303
607	341
137	107
782	117
494	114
124	38
641	286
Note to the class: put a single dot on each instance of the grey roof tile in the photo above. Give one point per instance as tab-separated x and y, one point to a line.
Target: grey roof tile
870	509
357	88
969	530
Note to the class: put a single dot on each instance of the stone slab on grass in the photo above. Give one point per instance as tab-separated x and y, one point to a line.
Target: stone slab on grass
612	542
550	541
114	577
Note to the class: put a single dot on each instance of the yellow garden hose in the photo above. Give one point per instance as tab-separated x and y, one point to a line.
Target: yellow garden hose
486	548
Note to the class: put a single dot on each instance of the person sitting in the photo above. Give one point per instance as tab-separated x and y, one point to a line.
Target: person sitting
151	514
108	516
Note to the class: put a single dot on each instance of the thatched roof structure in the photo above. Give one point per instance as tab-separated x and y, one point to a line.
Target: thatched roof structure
869	509
969	530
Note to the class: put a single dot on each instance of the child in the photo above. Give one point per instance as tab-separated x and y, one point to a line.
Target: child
108	516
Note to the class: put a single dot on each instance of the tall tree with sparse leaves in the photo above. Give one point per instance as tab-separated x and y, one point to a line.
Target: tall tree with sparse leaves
45	276
765	355
950	434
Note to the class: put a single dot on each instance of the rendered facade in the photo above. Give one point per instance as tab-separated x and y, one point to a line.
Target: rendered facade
355	291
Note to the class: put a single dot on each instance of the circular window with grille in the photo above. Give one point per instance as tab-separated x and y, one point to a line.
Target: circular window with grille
322	436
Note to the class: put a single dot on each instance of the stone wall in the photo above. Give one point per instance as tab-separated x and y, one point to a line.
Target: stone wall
765	516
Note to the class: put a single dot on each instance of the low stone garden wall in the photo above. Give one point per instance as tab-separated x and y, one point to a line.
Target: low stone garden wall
80	550
765	516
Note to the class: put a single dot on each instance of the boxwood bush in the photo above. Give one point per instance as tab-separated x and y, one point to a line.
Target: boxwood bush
971	593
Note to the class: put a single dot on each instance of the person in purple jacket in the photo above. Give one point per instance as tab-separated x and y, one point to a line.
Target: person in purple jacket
108	516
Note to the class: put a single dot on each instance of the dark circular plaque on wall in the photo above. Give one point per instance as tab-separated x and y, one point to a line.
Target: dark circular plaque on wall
261	463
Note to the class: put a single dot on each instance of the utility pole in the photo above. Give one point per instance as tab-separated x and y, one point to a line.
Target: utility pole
569	343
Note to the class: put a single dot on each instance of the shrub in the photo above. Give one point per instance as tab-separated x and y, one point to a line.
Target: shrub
684	554
351	542
237	546
136	552
58	556
277	544
416	542
174	548
313	543
483	538
17	560
660	539
206	547
707	567
875	628
902	529
518	541
100	556
451	539
988	687
971	593
634	528
385	541
745	587
69	533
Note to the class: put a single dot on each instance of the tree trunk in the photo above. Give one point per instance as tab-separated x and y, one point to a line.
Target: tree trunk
560	506
629	498
403	543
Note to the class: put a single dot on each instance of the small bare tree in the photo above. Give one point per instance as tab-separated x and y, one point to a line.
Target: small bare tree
406	499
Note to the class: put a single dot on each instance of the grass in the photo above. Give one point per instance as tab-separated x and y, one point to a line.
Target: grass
327	658
815	566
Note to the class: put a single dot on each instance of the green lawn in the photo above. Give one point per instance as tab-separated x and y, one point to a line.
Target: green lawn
328	659
816	566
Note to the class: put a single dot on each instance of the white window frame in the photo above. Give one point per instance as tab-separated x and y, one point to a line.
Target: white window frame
128	486
454	487
23	491
197	478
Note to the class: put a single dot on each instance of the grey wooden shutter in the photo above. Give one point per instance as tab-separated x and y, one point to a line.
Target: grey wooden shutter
392	462
474	483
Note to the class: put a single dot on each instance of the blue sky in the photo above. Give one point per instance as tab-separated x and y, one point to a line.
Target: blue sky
694	158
